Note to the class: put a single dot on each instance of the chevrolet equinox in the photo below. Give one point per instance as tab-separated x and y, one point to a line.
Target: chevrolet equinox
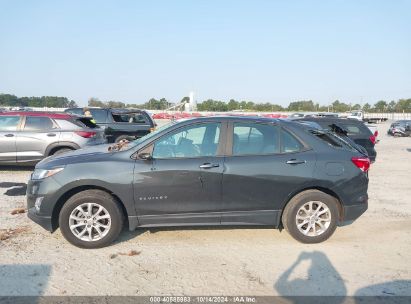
204	171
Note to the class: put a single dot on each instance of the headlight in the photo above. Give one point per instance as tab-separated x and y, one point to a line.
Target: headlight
43	173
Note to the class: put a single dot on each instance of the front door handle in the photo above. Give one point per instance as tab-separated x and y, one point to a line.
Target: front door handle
51	134
295	162
9	135
209	166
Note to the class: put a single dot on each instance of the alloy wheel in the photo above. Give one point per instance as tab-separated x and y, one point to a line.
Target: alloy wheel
90	222
313	218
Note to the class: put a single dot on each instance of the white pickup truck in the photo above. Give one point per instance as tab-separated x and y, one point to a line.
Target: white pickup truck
359	115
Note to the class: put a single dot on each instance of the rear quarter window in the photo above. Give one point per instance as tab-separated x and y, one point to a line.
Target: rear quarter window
332	140
86	122
289	143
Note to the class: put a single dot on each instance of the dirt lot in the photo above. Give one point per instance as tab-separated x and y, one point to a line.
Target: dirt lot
370	257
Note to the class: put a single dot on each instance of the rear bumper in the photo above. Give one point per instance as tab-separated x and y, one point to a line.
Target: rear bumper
43	221
353	212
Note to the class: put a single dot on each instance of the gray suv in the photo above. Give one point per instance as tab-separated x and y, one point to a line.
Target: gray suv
28	137
204	171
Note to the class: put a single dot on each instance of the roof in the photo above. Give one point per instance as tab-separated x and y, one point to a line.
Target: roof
228	117
54	115
328	118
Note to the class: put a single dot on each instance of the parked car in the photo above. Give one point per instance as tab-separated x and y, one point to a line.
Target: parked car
203	171
28	137
356	130
301	115
120	124
400	128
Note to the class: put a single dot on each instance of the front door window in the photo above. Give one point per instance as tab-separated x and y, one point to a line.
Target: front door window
200	140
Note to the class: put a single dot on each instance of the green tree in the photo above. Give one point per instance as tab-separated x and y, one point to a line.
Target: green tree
304	105
233	105
380	106
95	102
391	106
403	105
366	107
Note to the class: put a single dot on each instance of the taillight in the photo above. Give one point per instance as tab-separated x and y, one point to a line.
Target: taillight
363	163
373	139
85	134
376	133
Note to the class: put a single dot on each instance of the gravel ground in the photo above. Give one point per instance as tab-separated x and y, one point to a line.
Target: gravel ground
370	257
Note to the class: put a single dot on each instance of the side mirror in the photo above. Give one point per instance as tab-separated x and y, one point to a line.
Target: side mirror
145	156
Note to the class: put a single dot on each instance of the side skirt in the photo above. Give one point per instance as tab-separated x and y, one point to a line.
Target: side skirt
242	218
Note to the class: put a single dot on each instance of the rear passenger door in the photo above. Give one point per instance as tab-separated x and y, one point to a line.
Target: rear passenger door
36	134
8	130
264	165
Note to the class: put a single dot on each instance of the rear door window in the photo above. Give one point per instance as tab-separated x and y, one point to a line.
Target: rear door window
36	123
255	139
9	123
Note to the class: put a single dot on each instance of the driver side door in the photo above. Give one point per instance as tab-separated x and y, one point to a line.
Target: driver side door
181	184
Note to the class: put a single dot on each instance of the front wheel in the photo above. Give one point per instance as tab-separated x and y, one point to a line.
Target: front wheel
91	219
311	216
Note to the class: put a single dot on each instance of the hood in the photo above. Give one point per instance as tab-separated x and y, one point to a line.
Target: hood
87	154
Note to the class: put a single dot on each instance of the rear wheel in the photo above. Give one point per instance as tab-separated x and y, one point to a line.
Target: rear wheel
311	216
91	219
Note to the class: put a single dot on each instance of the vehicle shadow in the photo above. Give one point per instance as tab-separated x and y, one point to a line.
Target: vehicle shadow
14	189
23	283
128	235
17	168
398	288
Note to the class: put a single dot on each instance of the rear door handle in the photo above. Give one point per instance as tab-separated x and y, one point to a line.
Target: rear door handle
295	162
51	134
9	135
209	166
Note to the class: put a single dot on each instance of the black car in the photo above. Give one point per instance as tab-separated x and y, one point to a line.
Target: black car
356	130
204	171
119	124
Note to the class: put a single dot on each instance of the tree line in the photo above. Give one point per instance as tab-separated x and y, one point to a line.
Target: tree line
8	100
401	105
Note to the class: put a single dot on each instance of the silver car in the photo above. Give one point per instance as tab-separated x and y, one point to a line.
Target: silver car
28	137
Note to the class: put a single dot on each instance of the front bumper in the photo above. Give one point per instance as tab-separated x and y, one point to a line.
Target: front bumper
43	221
45	189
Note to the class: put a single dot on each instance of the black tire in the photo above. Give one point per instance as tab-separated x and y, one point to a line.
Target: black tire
61	151
100	198
289	216
129	138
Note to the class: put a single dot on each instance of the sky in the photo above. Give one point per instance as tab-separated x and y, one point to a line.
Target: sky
356	51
